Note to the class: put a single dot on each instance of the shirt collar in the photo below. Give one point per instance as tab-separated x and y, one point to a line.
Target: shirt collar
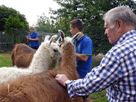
81	38
126	36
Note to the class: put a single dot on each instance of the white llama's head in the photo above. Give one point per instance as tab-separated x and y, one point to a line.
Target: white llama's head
50	49
51	45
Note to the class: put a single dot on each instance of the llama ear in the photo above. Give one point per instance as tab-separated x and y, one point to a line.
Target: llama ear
53	39
58	40
62	35
50	42
75	36
46	38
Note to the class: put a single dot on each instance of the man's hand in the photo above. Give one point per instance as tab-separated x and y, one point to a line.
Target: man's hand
27	37
30	39
61	78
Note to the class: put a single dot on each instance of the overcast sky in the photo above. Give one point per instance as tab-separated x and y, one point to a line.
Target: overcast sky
31	8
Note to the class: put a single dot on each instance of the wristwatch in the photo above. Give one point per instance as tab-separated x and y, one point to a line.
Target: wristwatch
68	81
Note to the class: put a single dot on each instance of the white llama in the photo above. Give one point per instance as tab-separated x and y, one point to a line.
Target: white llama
48	54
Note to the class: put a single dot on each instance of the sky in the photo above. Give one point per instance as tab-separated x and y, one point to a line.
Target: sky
31	8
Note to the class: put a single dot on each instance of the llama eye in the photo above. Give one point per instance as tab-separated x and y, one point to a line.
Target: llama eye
60	45
55	50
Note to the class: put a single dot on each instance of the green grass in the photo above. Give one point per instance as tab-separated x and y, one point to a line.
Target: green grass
5	61
98	96
103	99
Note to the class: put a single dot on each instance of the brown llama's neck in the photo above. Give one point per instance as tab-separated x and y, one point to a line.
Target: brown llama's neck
68	57
68	62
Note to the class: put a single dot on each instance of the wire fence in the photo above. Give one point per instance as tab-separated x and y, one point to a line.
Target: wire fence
7	41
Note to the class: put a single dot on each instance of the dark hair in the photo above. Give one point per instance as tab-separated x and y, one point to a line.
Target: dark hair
77	23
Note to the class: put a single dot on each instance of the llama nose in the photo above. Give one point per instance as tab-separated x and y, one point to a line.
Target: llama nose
55	50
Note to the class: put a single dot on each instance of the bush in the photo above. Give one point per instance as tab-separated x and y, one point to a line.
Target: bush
97	59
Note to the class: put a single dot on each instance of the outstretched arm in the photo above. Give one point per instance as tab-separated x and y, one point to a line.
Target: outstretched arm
97	80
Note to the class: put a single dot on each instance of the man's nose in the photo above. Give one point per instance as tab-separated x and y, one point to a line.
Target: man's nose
105	33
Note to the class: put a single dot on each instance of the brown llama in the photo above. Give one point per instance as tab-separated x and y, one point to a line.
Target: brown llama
22	55
43	87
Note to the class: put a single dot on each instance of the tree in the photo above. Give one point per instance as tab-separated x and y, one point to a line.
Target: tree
51	25
91	13
45	24
13	23
7	14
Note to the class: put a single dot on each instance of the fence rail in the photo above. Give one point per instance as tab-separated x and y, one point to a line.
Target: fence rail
7	41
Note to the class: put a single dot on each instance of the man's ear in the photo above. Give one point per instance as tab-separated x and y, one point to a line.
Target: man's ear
119	23
120	26
76	29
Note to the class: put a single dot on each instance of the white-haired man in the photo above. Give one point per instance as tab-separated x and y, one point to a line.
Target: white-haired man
117	70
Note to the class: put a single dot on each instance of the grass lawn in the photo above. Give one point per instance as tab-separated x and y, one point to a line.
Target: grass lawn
98	96
5	61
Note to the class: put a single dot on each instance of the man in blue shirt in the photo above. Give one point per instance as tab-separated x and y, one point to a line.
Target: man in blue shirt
117	70
33	38
84	46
